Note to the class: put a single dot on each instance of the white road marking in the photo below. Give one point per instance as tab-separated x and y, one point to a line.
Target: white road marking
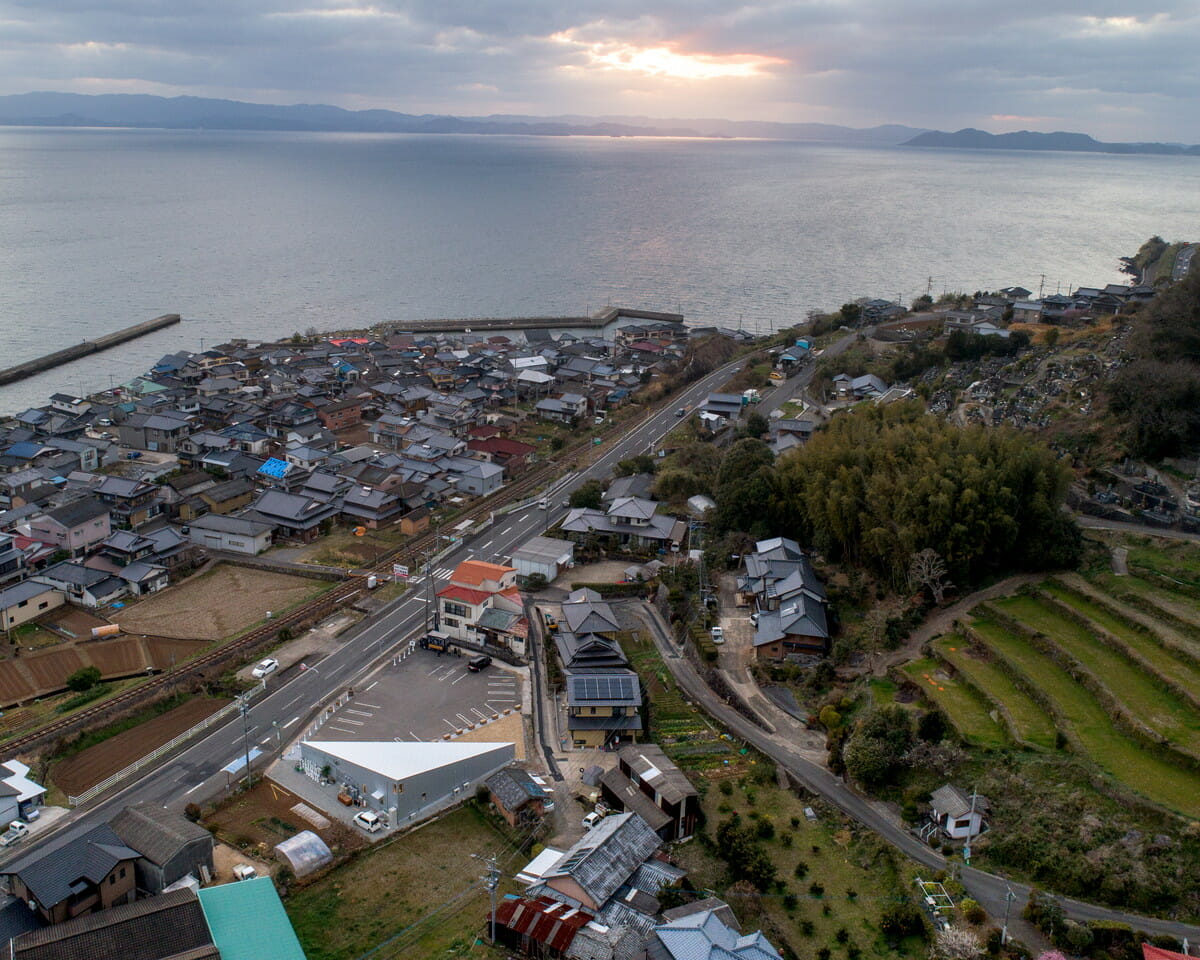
290	722
464	719
373	706
196	787
357	723
342	729
453	726
482	715
523	519
414	736
370	687
454	681
361	713
505	530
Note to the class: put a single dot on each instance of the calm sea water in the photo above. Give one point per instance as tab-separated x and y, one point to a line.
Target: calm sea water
262	234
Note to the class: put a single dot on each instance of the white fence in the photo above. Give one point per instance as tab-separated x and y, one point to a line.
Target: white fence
167	747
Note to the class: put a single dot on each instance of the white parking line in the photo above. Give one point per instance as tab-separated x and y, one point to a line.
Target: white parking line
342	729
482	715
464	719
357	723
370	687
453	726
361	713
456	679
373	706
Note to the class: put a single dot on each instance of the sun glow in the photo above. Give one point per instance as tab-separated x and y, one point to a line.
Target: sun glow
663	61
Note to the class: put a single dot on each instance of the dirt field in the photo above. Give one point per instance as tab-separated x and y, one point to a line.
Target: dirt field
217	604
256	821
90	766
510	728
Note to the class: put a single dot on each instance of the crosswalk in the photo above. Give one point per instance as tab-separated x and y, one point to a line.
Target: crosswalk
440	573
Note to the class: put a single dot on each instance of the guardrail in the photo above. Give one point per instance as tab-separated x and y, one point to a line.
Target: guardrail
212	718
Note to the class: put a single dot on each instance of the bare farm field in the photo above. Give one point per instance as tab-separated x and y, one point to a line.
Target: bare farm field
217	604
88	767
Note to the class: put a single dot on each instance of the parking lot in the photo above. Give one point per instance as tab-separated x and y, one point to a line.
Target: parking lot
424	697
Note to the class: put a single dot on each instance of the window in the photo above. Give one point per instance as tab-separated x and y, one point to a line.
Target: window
450	621
962	824
456	609
122	873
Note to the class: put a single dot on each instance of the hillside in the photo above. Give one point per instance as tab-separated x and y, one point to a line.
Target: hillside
972	139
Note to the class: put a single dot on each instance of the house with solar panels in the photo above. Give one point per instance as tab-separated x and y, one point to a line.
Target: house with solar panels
604	707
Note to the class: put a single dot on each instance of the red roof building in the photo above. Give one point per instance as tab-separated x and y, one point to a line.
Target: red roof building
549	924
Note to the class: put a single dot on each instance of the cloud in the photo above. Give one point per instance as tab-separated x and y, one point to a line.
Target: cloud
1090	66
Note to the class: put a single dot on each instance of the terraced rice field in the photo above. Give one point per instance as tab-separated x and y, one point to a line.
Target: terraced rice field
1032	723
1161	710
969	714
1080	714
1175	665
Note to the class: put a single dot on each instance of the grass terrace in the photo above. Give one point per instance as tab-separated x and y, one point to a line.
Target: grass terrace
1137	691
1081	714
1033	725
965	709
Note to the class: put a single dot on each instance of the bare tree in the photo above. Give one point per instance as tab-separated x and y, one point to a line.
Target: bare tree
928	569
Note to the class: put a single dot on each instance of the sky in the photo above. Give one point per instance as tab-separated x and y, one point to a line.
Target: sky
1117	70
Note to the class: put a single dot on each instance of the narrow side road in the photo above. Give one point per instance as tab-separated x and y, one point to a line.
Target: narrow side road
987	888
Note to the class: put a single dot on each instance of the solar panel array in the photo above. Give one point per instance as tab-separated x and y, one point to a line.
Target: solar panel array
605	687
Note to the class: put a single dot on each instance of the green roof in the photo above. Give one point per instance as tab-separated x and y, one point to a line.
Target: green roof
247	921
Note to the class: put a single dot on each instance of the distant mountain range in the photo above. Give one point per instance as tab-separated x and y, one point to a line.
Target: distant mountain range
192	113
971	139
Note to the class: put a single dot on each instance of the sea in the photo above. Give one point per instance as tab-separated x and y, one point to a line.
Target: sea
263	234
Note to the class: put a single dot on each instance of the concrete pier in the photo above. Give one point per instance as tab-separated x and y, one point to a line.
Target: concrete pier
87	347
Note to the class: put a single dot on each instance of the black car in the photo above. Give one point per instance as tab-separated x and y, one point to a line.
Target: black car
475	664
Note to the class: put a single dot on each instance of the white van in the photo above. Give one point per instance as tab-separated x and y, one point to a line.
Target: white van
591	820
369	820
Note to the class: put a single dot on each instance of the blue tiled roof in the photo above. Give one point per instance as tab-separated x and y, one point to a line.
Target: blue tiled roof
274	468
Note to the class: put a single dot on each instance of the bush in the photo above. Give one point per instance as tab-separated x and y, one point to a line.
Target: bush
900	920
816	889
795	821
824	953
972	911
726	788
83	679
192	812
806	928
801	870
790	902
765	828
842	935
785	839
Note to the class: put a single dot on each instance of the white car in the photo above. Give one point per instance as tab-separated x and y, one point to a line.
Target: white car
270	665
718	635
369	821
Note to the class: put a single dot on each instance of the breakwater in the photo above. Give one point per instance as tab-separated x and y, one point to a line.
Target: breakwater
86	348
596	321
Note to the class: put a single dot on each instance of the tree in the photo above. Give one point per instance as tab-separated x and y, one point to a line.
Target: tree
743	852
589	494
955	943
875	751
756	425
928	570
900	920
83	679
851	314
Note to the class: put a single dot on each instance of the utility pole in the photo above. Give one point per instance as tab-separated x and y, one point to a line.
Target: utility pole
492	880
245	710
1041	286
1009	897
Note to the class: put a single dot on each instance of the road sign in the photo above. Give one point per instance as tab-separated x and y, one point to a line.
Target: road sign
399	571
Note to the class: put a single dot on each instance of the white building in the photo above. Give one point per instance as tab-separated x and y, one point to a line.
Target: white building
405	780
544	555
